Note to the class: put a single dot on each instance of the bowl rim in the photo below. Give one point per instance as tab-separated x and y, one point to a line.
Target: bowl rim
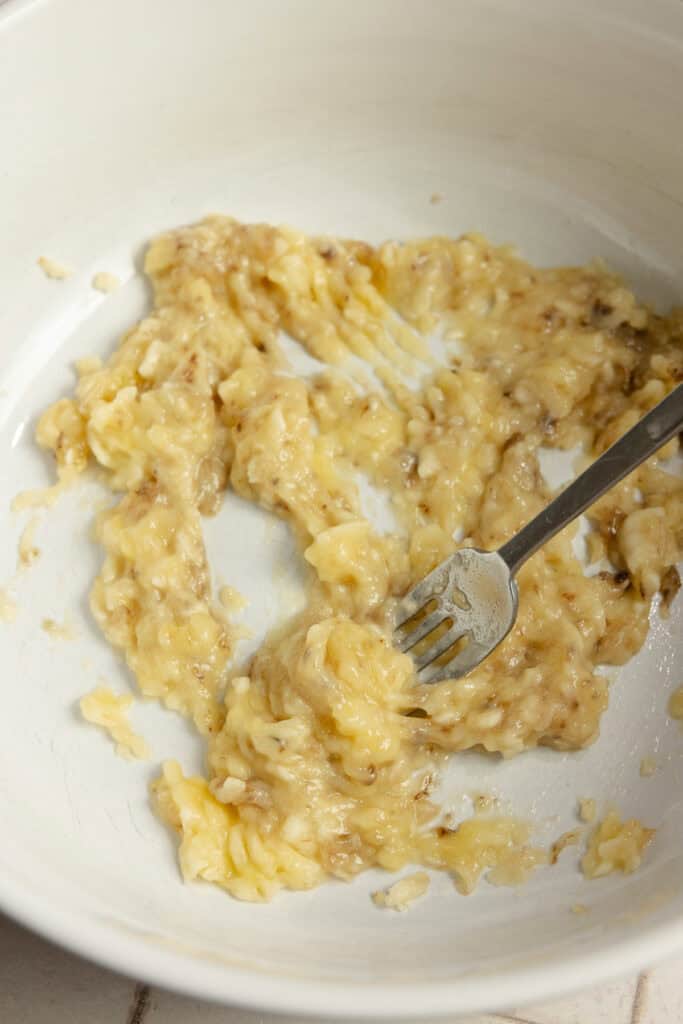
102	942
231	985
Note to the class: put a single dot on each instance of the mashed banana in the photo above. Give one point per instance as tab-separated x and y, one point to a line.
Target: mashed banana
109	711
676	704
401	894
615	846
321	761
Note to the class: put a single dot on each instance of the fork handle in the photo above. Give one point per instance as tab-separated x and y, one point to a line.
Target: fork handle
625	455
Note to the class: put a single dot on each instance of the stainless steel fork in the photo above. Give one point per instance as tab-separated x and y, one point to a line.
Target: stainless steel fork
453	618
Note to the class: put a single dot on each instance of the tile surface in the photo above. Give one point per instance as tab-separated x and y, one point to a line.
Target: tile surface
661	995
165	1008
41	984
610	1004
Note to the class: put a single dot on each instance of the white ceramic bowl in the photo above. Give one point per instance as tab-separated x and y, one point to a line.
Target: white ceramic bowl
553	124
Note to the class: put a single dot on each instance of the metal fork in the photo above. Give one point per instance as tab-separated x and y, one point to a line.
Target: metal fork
453	618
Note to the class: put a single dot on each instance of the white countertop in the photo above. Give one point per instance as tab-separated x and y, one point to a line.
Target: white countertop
41	984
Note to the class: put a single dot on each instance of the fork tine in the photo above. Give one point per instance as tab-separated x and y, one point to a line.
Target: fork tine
422	629
431	587
463	662
440	647
440	673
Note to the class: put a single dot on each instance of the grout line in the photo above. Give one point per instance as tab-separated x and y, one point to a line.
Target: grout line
139	1006
640	997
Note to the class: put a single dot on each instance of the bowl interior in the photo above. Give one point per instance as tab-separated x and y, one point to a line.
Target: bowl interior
530	122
